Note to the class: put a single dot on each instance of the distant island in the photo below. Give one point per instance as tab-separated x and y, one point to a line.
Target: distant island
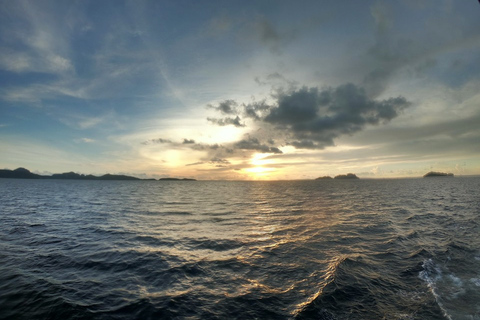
346	176
22	173
340	176
437	174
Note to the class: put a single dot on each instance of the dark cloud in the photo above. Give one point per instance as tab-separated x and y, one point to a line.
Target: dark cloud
271	35
218	161
215	153
255	110
276	76
207	147
314	118
298	107
228	107
227	121
214	150
160	140
392	52
194	164
156	141
252	143
387	54
267	32
310	144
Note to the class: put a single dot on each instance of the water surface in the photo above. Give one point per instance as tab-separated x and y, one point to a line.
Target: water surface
329	249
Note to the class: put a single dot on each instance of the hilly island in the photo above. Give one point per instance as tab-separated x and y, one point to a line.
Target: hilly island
22	173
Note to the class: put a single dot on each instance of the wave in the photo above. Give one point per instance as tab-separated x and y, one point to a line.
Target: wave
118	251
345	287
456	295
431	274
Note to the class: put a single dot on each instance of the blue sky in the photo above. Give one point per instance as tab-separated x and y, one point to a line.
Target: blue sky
240	89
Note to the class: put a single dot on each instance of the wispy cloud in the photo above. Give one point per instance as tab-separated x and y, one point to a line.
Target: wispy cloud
84	122
85	140
210	87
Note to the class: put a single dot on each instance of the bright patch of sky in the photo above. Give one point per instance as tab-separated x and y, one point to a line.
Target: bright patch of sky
240	90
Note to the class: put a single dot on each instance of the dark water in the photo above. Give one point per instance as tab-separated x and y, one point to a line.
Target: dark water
364	249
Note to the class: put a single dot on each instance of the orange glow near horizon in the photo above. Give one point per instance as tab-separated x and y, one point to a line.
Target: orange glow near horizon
259	171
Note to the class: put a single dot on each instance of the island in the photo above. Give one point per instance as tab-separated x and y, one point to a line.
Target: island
347	176
176	179
437	174
19	173
22	173
324	178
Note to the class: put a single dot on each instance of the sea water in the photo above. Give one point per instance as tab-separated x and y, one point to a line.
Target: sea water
329	249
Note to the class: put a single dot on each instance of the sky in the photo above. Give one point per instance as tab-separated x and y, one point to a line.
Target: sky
240	90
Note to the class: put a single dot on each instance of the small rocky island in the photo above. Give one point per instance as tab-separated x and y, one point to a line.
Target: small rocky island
324	178
437	174
340	176
347	176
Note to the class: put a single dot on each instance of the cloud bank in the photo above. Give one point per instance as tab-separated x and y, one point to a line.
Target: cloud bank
312	118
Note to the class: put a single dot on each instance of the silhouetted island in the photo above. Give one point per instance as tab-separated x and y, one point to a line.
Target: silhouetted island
324	178
437	174
19	173
22	173
177	179
346	176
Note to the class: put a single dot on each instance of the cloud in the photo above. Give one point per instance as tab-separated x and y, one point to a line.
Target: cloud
228	107
311	118
16	62
156	141
188	141
271	36
217	162
194	164
40	45
424	53
84	140
227	121
255	110
252	143
267	32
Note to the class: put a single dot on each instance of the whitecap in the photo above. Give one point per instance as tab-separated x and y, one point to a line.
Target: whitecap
431	274
475	281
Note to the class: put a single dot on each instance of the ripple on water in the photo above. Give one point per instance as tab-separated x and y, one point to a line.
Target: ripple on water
400	249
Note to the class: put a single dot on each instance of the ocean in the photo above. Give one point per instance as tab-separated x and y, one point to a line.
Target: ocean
326	249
